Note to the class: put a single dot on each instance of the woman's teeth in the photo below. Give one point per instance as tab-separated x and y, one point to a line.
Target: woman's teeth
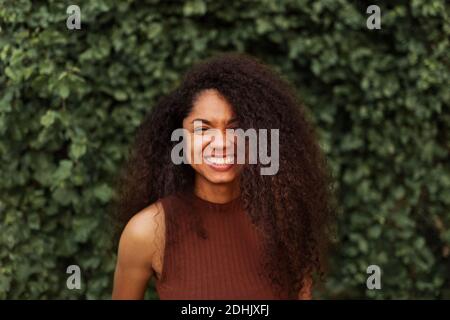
220	161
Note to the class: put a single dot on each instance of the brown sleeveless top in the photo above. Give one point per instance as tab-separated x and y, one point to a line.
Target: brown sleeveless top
212	251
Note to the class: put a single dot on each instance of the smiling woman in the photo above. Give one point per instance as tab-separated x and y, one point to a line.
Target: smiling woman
235	146
205	125
211	227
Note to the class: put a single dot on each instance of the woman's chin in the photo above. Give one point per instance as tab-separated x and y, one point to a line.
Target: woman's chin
220	177
219	180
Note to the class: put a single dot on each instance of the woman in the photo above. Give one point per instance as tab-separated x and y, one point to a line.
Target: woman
217	228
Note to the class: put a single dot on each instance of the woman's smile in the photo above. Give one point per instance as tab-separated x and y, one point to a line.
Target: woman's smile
220	163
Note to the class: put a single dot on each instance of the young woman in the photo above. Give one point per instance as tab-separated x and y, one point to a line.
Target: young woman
216	228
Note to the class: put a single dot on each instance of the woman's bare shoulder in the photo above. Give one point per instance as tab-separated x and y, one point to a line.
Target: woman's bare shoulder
146	221
144	233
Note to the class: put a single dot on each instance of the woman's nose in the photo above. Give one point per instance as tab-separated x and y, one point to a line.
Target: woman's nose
221	143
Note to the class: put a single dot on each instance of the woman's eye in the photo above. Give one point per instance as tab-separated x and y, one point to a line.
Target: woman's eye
200	129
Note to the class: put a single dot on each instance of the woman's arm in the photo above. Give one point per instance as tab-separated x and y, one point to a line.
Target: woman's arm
138	247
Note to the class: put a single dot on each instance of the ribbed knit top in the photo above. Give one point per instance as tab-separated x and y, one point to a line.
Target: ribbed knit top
224	263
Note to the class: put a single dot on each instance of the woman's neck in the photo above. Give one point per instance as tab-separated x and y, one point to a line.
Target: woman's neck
216	192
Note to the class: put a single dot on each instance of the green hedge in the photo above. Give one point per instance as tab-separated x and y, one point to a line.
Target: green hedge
70	101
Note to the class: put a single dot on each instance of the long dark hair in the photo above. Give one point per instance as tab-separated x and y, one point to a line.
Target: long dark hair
294	208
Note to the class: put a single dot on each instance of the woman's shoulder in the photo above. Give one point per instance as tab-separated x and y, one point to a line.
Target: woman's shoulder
149	219
142	240
145	227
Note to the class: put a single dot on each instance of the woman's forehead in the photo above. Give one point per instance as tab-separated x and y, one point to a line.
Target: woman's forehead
211	106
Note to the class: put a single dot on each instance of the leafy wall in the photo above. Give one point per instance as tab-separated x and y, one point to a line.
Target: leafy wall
70	101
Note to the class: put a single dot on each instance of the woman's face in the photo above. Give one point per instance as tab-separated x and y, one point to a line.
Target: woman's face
212	152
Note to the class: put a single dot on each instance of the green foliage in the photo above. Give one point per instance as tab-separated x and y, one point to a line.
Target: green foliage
70	101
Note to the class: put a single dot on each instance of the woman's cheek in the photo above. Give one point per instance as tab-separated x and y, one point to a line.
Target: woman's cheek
198	143
188	148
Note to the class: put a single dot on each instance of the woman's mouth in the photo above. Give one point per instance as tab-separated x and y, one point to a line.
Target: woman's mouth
220	163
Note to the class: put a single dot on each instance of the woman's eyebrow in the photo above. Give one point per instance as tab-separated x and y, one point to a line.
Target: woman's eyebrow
209	123
201	120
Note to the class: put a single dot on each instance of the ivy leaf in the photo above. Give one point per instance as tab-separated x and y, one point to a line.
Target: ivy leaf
103	193
48	118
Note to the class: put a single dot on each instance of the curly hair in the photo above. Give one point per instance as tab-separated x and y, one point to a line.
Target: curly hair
294	207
